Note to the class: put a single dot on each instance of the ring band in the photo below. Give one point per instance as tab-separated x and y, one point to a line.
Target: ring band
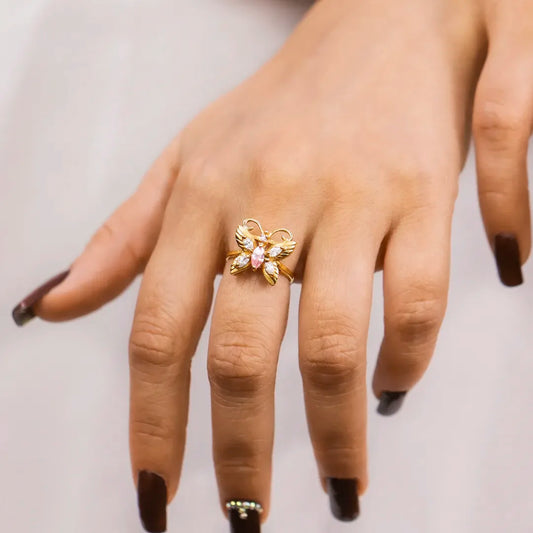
242	507
261	251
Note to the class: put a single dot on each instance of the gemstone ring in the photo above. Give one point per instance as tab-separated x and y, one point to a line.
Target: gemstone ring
261	251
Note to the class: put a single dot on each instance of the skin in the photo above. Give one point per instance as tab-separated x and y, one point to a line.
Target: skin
353	136
503	120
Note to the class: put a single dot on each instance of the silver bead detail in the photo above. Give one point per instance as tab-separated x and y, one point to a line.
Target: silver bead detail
243	506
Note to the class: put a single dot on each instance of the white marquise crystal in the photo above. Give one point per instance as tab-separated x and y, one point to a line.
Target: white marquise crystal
274	251
271	268
248	243
242	260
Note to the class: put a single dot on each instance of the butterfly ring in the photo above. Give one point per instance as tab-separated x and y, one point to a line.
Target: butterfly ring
261	251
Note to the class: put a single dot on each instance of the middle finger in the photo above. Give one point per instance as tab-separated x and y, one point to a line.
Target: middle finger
334	316
249	320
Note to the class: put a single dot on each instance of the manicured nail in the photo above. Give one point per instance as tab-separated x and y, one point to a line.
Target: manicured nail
507	255
152	500
244	516
390	402
343	498
23	312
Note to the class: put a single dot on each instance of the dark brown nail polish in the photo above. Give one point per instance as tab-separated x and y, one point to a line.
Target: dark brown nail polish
23	312
343	498
152	500
248	522
507	255
390	402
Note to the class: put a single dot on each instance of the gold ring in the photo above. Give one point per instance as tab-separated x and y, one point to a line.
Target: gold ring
261	251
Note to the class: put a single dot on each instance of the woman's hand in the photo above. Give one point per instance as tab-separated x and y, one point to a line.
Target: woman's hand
353	137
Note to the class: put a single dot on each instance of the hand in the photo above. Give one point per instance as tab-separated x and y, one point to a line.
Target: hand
353	137
503	121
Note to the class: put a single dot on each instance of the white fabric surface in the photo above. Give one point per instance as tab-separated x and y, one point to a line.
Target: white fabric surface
90	92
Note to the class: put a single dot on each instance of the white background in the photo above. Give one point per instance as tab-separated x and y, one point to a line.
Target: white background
90	92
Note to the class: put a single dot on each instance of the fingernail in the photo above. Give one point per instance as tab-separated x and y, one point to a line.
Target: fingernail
152	500
390	402
507	255
343	498
242	517
23	312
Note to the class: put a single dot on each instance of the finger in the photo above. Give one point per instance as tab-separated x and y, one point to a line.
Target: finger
415	286
117	252
248	324
172	308
333	323
503	117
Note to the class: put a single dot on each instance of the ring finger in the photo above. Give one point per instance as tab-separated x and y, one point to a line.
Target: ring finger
334	315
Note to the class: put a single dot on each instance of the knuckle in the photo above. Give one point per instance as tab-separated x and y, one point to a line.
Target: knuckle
410	367
418	173
239	362
502	191
239	454
498	123
417	318
496	193
272	171
201	180
110	232
342	453
425	181
242	468
151	429
152	345
333	355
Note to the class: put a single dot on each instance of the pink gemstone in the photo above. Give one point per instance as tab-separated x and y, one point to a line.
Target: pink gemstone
258	256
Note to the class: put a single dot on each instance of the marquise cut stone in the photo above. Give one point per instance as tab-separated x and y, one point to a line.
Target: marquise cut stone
242	260
248	244
271	268
258	256
274	251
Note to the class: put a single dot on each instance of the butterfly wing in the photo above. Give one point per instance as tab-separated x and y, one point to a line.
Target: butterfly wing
271	271
245	239
282	249
240	263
